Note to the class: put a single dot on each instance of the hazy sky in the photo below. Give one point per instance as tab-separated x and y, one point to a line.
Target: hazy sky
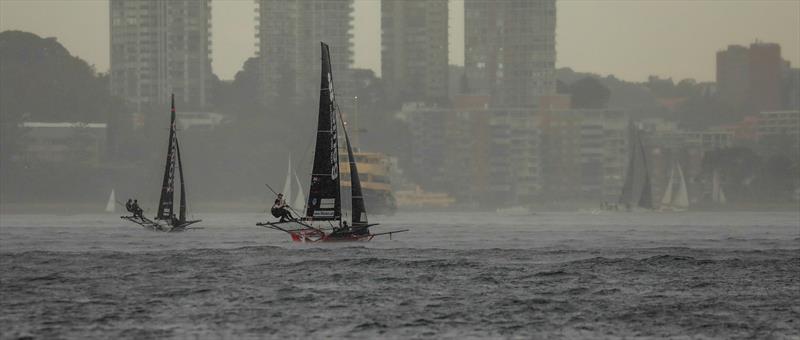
627	38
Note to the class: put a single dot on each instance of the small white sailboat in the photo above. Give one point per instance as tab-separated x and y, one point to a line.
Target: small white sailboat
676	197
111	205
287	185
299	202
300	199
717	194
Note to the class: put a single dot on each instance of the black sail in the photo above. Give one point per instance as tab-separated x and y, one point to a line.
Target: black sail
645	199
627	188
359	211
182	214
324	199
165	204
637	190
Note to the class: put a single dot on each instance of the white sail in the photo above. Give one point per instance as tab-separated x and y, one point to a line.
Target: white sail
681	199
667	198
717	194
287	186
111	205
300	200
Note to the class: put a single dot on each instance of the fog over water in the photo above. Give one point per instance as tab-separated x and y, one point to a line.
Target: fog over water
454	275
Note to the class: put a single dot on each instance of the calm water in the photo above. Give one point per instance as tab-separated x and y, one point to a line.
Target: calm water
455	275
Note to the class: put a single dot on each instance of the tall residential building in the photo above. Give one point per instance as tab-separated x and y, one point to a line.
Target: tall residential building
510	50
160	47
733	74
414	58
751	79
289	34
766	76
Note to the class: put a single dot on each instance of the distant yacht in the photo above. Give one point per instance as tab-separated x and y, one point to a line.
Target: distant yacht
637	190
112	202
676	197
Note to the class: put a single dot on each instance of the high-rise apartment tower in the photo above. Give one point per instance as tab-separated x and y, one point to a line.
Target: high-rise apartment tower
160	47
289	33
510	50
414	57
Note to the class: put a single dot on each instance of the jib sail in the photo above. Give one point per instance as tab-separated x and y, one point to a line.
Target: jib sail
324	199
359	209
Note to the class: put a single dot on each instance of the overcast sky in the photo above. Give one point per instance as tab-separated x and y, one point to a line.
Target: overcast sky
627	38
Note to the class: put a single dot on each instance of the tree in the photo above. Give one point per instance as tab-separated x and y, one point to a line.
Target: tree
589	93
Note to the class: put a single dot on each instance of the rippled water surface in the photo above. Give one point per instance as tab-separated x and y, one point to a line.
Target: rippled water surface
455	275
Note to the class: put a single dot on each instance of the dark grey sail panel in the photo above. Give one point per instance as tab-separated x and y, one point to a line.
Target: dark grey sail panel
324	199
637	189
645	199
182	214
359	210
165	203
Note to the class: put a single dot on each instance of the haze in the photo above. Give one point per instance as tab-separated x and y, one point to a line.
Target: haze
629	39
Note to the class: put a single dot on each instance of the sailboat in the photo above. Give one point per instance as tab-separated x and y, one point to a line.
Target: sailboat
323	219
300	198
165	219
717	194
637	191
112	202
676	197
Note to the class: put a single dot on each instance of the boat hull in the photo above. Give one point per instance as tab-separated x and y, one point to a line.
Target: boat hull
151	225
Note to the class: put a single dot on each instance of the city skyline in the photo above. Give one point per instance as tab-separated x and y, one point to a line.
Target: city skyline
695	28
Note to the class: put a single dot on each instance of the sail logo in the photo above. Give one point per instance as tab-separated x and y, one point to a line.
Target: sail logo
323	213
334	135
327	203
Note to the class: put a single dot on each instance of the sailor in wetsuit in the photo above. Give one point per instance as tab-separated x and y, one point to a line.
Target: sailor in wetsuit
137	211
129	205
280	209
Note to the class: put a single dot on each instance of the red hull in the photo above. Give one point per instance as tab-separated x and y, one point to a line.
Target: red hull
315	236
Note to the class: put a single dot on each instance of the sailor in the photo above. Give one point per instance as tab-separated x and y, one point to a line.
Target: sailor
129	205
280	209
137	211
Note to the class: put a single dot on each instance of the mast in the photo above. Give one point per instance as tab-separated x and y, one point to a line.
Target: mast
359	212
165	204
182	214
324	203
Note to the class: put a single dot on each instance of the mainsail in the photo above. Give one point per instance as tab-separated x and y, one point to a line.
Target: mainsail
165	204
324	194
636	190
